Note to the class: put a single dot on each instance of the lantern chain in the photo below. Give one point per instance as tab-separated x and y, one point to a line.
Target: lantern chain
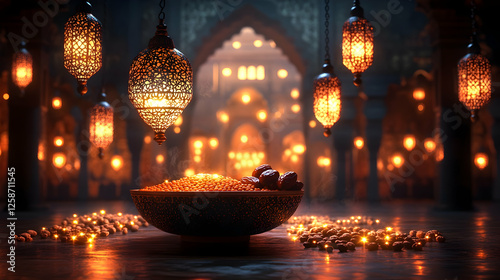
327	31
473	18
161	15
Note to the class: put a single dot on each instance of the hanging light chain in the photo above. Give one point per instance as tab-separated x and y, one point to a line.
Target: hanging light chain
327	31
161	15
473	17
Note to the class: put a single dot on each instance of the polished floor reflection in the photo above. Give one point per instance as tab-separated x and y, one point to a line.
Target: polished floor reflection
472	250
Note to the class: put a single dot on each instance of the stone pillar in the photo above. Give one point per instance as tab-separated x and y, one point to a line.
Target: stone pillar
495	132
375	112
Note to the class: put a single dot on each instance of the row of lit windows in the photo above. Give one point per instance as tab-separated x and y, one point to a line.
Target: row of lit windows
253	72
256	43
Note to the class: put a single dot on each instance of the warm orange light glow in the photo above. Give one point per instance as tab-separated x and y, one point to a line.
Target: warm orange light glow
357	44
178	121
244	138
294	158
245	98
295	94
236	44
56	103
116	162
409	142
147	139
214	143
359	142
481	160
323	161
419	94
257	43
429	145
295	108
312	123
398	160
420	107
22	68
189	172
160	159
198	144
177	130
6	96
251	73
261	115
299	149
101	125
226	72
474	81
231	155
242	73
272	44
223	117
327	103
261	72
102	212
282	73
197	159
59	160
58	141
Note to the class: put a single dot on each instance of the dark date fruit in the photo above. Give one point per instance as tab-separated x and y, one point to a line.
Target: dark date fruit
297	187
269	179
287	181
250	180
261	168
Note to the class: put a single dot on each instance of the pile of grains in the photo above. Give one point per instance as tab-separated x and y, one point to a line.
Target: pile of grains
87	228
203	182
345	234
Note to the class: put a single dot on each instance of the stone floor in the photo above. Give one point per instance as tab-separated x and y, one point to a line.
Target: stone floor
472	250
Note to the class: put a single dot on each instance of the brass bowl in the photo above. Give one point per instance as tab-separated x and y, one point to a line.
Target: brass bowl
216	214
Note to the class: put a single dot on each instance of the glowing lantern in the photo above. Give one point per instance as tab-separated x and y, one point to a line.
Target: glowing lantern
101	125
160	81
429	145
481	160
22	68
58	141
282	73
245	98
116	162
327	102
262	115
419	94
59	160
474	75
83	46
214	143
409	142
357	43
398	160
359	142
56	103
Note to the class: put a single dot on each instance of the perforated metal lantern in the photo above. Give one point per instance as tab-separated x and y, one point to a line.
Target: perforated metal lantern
327	103
160	83
101	125
357	43
474	81
22	68
83	46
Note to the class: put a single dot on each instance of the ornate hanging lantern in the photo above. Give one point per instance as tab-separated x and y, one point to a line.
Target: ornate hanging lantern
327	89
101	124
474	75
83	46
160	81
22	68
357	43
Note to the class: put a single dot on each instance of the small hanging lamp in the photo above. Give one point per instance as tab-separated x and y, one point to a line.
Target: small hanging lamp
101	124
327	88
83	46
474	74
357	43
22	68
160	83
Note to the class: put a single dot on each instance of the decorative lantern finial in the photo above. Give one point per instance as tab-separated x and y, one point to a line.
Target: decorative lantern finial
474	75
22	68
357	43
327	89
160	81
83	46
101	124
